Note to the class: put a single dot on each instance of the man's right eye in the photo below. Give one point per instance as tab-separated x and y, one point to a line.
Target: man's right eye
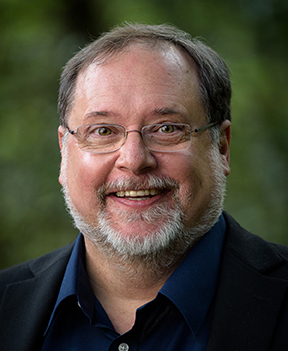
103	131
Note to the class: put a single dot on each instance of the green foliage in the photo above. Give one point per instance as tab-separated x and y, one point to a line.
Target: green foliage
38	37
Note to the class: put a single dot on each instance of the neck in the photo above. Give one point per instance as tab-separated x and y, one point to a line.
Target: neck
122	272
122	286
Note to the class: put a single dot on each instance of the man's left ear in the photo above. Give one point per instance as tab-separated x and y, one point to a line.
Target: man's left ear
224	145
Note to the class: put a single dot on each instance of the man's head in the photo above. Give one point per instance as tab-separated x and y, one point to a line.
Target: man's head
134	201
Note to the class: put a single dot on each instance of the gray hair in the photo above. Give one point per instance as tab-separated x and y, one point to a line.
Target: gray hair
215	87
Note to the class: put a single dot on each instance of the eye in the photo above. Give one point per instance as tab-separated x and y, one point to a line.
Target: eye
103	131
167	129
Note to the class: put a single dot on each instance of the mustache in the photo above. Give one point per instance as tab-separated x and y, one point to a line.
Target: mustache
139	183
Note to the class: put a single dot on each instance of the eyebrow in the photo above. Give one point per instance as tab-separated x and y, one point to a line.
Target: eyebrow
98	113
168	111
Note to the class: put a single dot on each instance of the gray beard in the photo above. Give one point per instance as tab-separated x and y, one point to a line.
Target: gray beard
169	239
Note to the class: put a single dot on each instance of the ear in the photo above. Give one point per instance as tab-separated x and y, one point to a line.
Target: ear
224	145
61	132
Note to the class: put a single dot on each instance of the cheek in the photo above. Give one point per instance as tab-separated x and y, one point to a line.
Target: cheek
194	177
183	168
85	174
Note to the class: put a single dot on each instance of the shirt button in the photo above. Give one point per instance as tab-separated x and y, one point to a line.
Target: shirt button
123	347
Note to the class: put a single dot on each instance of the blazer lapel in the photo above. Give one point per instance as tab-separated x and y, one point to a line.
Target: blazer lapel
247	306
28	304
248	299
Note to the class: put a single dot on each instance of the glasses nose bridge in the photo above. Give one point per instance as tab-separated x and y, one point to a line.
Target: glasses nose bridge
132	130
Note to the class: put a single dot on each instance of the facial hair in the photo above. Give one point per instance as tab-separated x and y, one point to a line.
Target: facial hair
168	238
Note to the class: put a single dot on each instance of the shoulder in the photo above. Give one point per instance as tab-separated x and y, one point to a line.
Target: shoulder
27	270
252	250
251	301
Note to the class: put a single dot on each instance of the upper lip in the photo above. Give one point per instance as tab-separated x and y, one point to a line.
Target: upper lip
153	185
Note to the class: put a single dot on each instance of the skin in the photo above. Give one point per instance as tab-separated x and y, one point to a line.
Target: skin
137	87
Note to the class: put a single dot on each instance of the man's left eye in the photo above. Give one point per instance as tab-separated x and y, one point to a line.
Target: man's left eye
167	129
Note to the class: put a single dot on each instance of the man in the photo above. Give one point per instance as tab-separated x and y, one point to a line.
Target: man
144	137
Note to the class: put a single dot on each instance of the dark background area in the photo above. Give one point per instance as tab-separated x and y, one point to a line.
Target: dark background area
38	37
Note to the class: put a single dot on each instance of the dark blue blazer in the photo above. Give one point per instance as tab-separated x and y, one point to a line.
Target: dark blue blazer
250	306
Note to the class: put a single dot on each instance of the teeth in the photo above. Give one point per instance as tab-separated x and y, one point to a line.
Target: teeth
139	193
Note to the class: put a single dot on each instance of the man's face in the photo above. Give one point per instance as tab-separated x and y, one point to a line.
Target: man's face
139	87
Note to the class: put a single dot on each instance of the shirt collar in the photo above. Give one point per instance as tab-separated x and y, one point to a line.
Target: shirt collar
75	282
191	287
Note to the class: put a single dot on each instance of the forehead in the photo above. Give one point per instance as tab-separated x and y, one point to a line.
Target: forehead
140	76
167	59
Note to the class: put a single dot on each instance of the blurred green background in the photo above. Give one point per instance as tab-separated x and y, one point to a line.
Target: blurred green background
38	37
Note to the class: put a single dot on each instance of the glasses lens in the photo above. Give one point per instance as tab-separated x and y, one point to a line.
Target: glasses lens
167	137
100	138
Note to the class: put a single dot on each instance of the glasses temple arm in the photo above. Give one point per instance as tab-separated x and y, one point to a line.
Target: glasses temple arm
205	127
71	131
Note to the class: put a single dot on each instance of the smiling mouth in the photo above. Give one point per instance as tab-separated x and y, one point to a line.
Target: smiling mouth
139	194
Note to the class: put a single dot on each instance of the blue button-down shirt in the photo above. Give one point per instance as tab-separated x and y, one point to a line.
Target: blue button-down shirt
177	319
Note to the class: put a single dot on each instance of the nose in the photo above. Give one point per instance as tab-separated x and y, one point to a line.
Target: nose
134	157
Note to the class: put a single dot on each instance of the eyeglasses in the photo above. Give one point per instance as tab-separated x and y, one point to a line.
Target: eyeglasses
105	138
